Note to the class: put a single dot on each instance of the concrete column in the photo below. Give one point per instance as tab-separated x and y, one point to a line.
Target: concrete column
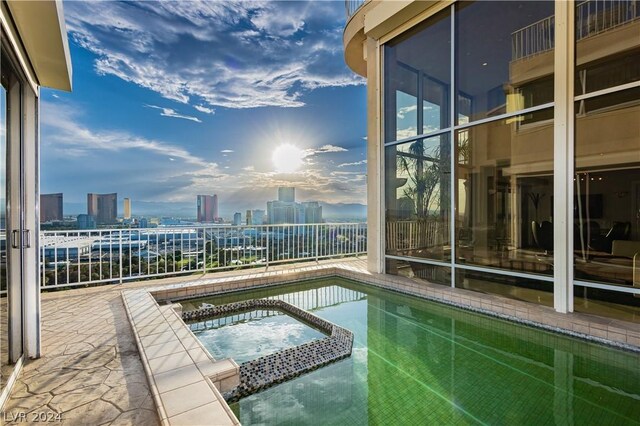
375	171
563	154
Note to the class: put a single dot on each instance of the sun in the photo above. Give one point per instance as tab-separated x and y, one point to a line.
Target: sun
287	158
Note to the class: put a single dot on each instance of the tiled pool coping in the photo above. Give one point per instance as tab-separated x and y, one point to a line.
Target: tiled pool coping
620	334
283	365
185	381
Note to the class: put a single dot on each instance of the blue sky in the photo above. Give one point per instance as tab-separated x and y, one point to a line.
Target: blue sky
175	99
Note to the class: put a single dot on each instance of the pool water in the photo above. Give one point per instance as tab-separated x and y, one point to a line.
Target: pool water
419	362
252	334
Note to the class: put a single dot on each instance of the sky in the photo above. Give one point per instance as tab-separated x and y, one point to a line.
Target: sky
174	99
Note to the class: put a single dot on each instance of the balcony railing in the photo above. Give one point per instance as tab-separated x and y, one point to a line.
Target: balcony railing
592	17
352	6
71	258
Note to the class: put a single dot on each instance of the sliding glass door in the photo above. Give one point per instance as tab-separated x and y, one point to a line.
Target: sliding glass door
11	217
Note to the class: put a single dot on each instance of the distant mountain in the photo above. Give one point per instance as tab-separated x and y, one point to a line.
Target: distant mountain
344	211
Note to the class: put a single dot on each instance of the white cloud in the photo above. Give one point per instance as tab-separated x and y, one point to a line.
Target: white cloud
229	54
406	133
168	112
356	163
158	170
323	150
402	112
64	131
227	151
204	109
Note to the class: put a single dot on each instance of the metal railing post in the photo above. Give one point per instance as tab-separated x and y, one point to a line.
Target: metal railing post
317	242
204	249
120	256
267	249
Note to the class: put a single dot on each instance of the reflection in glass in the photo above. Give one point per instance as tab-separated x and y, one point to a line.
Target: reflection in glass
607	189
605	55
606	303
5	368
417	182
430	273
504	195
528	290
416	85
504	57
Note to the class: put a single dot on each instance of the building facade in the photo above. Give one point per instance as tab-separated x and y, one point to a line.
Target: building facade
86	221
312	212
205	205
51	207
127	209
286	210
504	147
34	54
286	194
237	218
103	207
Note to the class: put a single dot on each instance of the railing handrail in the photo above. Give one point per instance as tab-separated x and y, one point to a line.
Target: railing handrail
203	225
114	255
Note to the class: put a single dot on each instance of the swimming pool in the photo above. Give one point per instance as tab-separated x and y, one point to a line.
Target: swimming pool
419	362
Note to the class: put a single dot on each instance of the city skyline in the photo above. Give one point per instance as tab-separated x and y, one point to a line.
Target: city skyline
126	210
206	123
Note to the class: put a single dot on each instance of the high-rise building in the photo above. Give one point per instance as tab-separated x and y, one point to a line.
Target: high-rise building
312	212
50	207
103	207
127	209
215	207
237	218
86	221
257	217
287	194
286	210
207	208
143	223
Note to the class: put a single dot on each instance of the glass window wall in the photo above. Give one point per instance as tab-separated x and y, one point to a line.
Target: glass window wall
607	189
418	198
504	189
504	57
500	204
417	86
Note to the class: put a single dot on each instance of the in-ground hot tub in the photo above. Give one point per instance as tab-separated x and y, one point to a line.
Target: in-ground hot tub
248	335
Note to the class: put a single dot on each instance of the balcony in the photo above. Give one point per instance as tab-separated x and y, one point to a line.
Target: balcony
352	7
593	17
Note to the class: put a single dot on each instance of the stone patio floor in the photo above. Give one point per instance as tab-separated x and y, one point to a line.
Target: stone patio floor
90	370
